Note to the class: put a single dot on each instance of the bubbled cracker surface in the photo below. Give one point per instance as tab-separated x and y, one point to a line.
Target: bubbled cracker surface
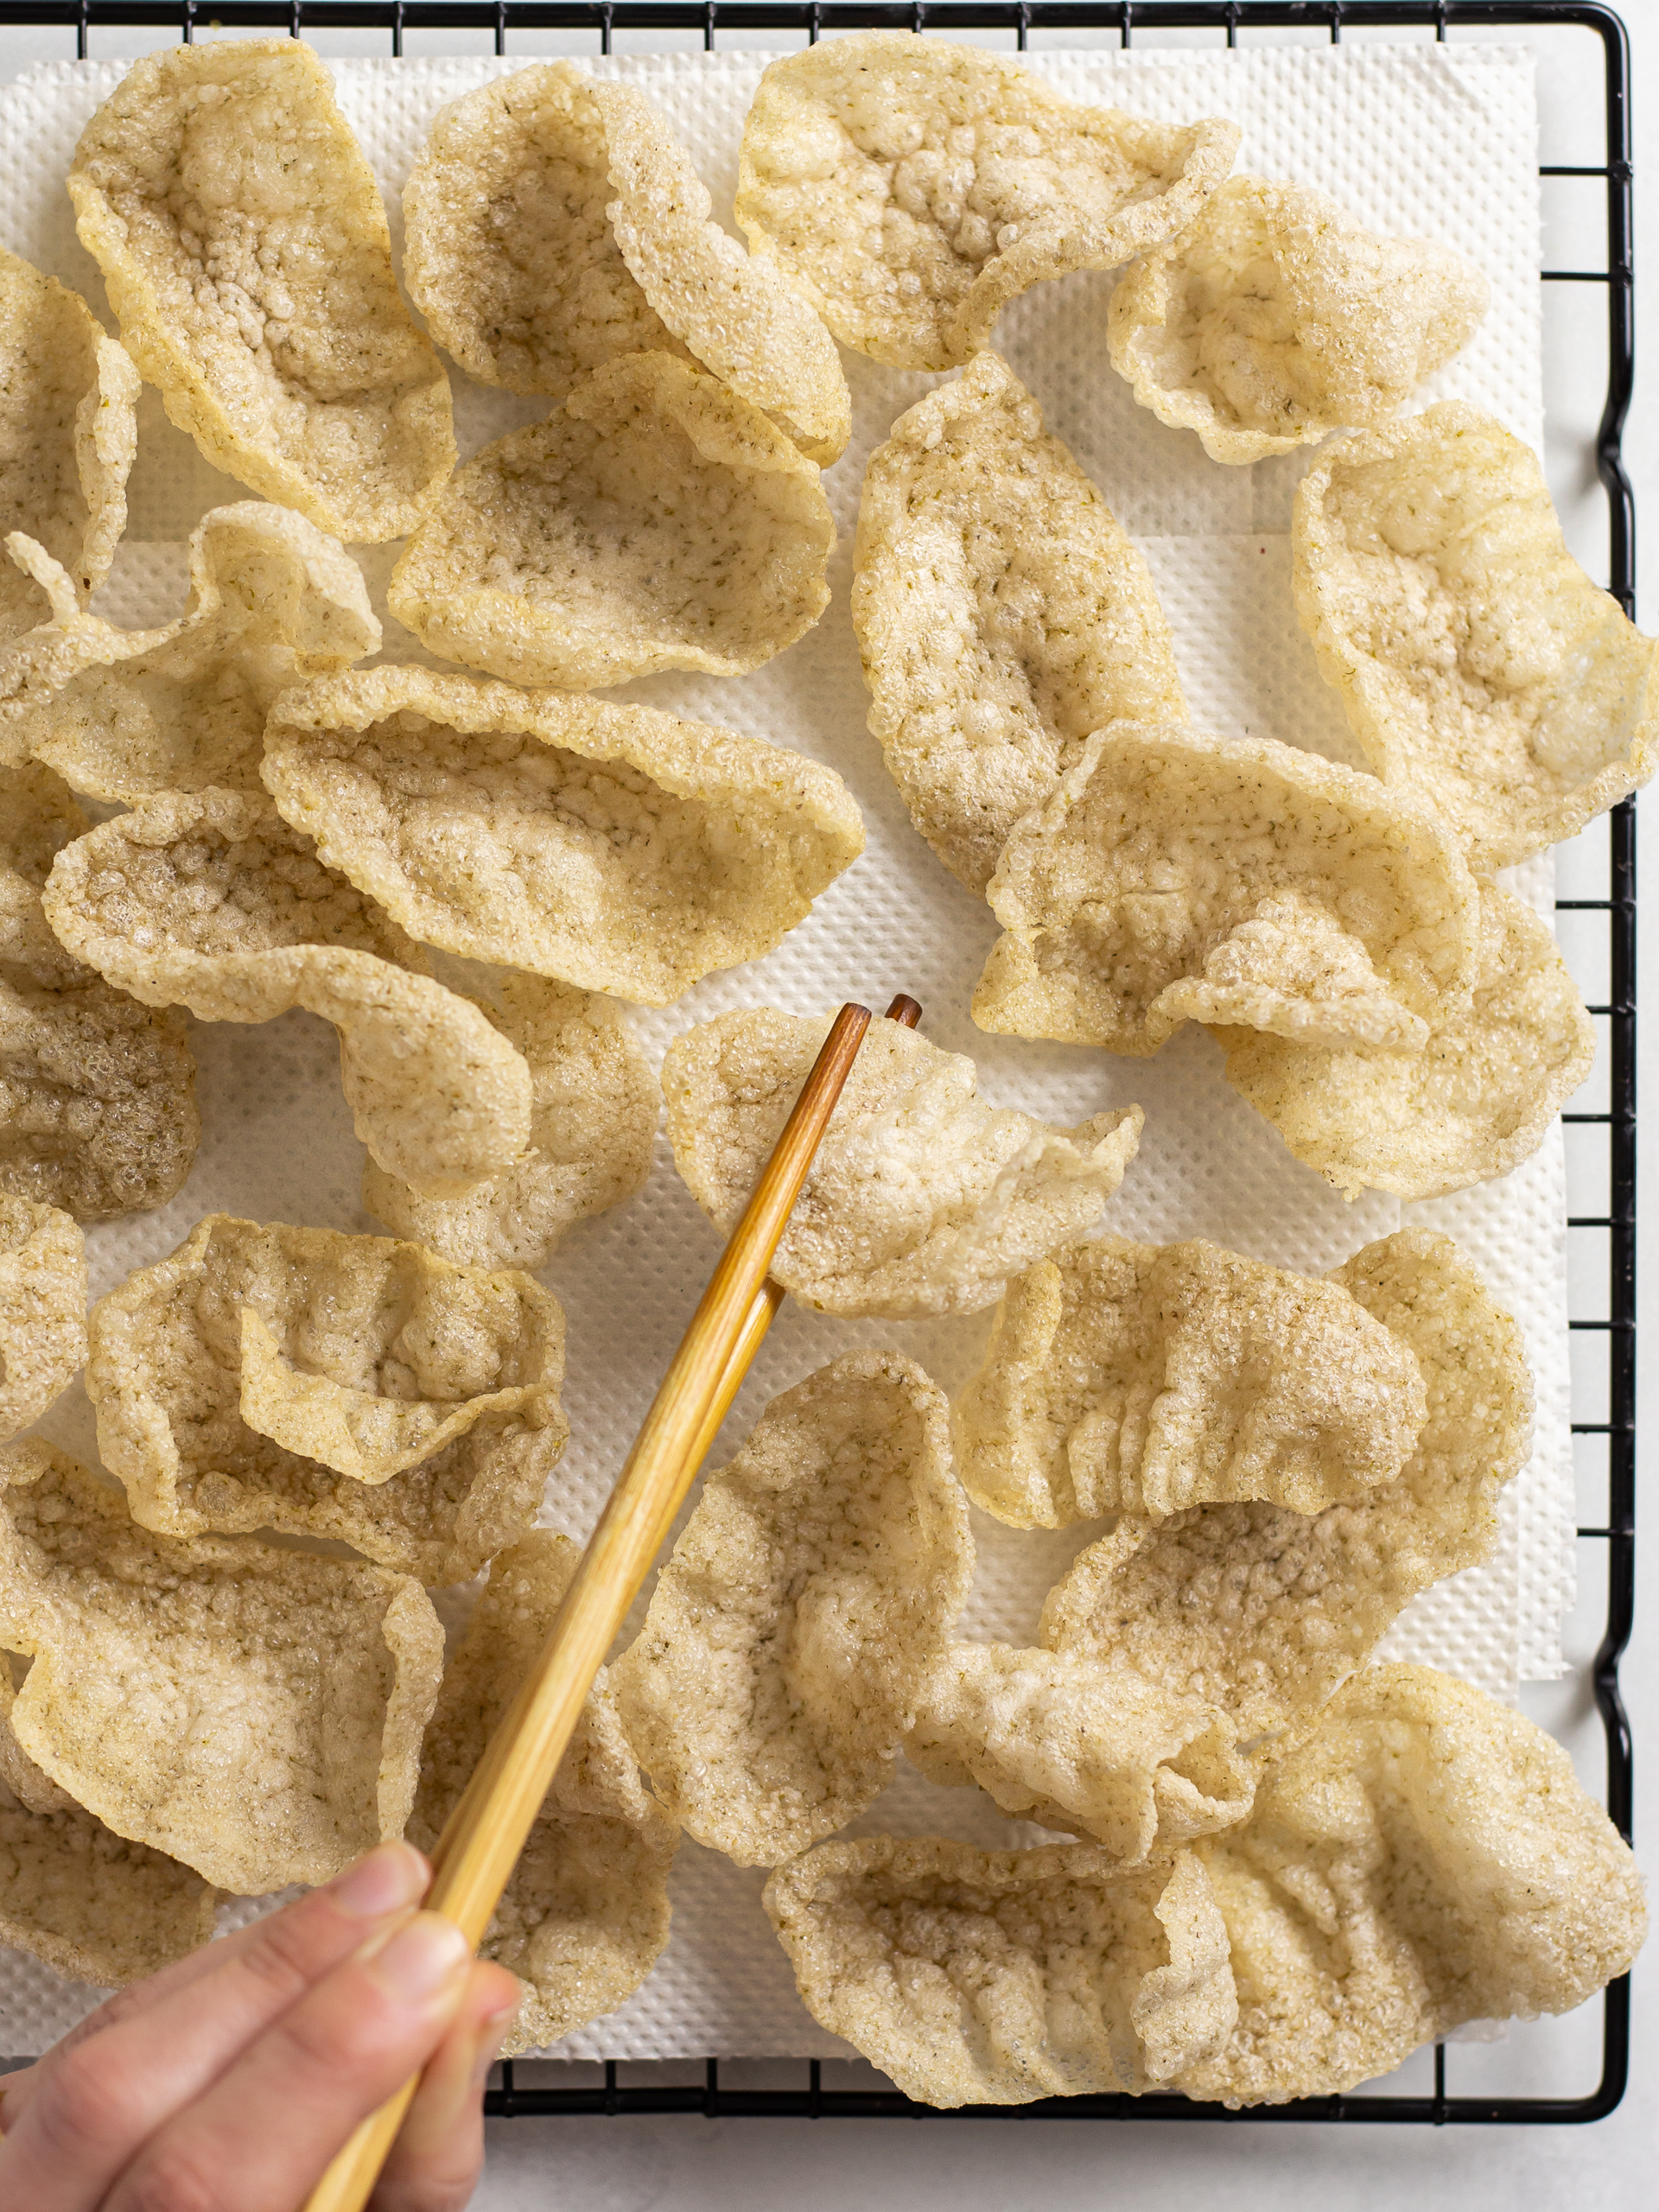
1407	139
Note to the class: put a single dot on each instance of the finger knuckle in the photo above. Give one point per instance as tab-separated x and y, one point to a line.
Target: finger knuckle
171	2181
282	1955
89	2104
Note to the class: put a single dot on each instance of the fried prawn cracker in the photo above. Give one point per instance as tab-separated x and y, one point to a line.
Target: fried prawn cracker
1003	614
245	252
42	1309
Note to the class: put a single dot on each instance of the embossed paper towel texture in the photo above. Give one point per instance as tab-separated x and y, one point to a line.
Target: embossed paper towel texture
1439	141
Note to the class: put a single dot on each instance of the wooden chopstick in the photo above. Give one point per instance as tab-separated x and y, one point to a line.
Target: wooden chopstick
485	1831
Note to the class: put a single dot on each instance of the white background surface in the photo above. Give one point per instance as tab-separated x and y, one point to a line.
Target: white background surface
685	2165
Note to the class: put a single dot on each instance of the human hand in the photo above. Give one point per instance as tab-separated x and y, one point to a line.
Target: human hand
227	2082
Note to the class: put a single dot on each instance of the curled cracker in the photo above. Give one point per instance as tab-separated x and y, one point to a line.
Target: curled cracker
1147	1378
123	713
614	847
256	1714
592	1120
911	188
655	521
324	1385
1475	1102
245	253
1174	877
1481	669
585	1912
1259	1612
981	1977
83	1901
921	1198
68	432
509	252
1278	318
1003	614
1427	1858
1091	1750
792	1632
735	312
42	1309
208	899
98	1110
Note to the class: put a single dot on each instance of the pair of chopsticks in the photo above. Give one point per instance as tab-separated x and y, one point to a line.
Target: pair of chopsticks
485	1834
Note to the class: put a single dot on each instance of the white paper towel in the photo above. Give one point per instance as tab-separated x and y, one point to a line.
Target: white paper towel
1439	141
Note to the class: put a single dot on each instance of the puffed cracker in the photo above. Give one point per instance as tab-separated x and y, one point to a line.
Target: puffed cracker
1003	614
68	432
42	1309
1261	1611
655	521
1427	1857
254	1713
508	250
792	1632
616	848
1278	318
585	1913
735	312
123	713
981	1977
98	1110
1091	1750
1147	1378
1175	877
245	253
911	188
1481	669
209	900
270	1376
592	1120
83	1901
921	1198
1474	1103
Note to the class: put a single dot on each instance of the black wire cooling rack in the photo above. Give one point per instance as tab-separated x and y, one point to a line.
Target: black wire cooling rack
1613	1163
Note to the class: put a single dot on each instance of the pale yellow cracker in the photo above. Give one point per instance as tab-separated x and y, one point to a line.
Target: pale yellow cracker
1427	1857
585	1912
1003	614
244	250
123	713
325	1385
1474	1103
981	1977
68	432
1261	1611
208	899
1481	669
1175	877
614	847
911	187
509	252
42	1309
655	521
921	1198
1147	1378
1278	318
98	1110
255	1713
792	1632
593	1119
83	1901
1092	1750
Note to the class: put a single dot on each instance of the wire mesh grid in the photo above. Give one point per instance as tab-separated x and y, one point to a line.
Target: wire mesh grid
1609	1164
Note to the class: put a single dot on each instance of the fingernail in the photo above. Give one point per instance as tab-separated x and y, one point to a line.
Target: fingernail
416	1961
491	2034
391	1877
